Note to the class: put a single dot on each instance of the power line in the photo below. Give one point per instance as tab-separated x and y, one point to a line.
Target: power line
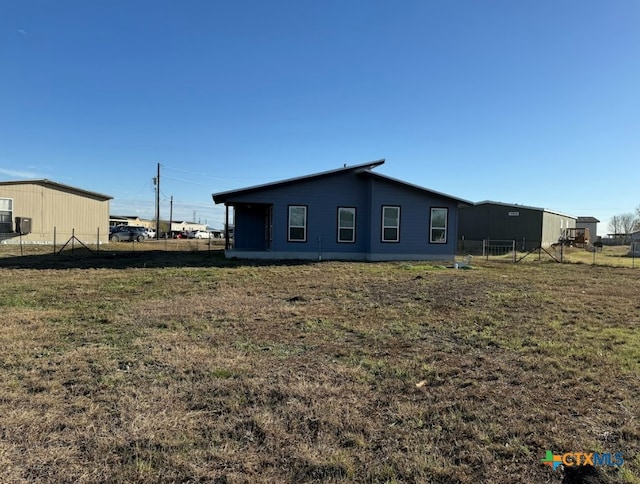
185	181
211	176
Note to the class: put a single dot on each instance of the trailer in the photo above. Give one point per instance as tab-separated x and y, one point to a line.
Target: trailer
575	237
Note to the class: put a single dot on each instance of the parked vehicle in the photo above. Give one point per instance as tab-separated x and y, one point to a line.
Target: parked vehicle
127	233
151	233
200	234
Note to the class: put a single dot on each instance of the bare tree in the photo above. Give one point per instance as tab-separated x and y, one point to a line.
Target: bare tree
628	222
615	225
624	224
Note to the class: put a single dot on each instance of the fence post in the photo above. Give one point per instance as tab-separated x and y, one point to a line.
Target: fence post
98	241
54	239
513	250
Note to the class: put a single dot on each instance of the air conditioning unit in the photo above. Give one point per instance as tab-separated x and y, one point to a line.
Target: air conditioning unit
23	225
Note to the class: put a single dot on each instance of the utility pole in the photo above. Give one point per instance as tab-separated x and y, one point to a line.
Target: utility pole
158	204
170	215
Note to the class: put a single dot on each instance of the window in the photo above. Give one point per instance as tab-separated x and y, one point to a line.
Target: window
6	215
390	224
346	224
438	228
297	223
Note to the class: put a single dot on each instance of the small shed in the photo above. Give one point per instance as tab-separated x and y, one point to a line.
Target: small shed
591	224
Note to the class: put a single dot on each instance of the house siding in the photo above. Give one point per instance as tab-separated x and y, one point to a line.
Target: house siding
415	211
322	200
322	197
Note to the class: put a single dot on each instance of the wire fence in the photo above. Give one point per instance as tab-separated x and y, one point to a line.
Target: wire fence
489	249
508	251
70	241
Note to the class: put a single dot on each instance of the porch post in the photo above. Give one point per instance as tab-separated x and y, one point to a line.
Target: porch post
226	227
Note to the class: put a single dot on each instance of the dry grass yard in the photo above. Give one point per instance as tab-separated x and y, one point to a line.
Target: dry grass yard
184	367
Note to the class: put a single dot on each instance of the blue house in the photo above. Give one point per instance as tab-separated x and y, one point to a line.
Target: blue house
351	213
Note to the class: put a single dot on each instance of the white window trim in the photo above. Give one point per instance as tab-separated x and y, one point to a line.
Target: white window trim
396	226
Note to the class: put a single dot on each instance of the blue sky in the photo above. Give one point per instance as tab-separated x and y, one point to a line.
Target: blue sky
529	102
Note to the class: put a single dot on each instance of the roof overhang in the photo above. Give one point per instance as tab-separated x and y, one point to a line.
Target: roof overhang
523	207
419	188
59	186
223	197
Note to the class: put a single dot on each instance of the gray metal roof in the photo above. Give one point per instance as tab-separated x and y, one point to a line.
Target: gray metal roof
588	220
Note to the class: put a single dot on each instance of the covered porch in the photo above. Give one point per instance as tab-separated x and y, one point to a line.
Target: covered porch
252	227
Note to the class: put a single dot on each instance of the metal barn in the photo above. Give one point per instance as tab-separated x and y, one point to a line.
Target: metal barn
43	211
530	227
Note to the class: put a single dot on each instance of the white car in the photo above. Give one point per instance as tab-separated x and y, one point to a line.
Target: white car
201	234
151	234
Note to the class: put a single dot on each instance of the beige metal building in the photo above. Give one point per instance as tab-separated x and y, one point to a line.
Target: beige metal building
43	211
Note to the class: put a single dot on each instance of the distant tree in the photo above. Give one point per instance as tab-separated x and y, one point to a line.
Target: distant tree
628	222
624	224
615	225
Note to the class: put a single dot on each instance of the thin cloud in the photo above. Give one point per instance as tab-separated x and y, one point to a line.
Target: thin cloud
20	174
23	32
